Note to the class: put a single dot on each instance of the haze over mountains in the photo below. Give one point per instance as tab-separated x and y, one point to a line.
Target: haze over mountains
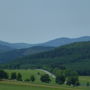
63	41
11	51
15	45
53	43
4	48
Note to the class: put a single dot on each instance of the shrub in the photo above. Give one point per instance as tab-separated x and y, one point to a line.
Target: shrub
19	77
32	78
45	78
13	76
3	75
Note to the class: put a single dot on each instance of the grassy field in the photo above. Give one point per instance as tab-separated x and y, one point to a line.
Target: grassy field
14	85
37	85
27	73
84	79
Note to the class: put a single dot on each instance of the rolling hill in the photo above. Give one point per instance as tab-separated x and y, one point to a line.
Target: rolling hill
15	45
52	43
64	41
17	53
4	48
74	56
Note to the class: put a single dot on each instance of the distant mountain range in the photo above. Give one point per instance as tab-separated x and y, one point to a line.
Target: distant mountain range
64	41
52	43
72	53
9	51
16	45
4	48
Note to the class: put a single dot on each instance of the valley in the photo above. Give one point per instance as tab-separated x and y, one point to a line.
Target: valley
34	62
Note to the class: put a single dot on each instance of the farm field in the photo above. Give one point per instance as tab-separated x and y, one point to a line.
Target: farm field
38	85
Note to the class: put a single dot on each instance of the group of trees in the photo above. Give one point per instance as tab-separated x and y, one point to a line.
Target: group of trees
18	77
62	77
66	77
45	78
15	76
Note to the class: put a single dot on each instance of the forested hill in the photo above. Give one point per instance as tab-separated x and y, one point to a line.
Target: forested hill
4	48
75	56
17	53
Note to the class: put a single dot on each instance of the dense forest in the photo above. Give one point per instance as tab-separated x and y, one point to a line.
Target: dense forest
17	53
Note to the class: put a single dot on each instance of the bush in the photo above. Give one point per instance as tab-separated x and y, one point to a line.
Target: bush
87	84
73	79
13	76
3	75
32	78
45	78
19	77
60	79
38	73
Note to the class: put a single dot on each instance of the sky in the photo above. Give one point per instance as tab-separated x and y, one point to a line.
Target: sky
37	21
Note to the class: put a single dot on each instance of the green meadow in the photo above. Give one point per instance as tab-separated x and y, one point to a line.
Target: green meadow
38	85
26	74
14	85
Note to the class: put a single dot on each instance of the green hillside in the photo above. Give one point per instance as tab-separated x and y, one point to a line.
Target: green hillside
26	74
75	56
17	53
4	48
